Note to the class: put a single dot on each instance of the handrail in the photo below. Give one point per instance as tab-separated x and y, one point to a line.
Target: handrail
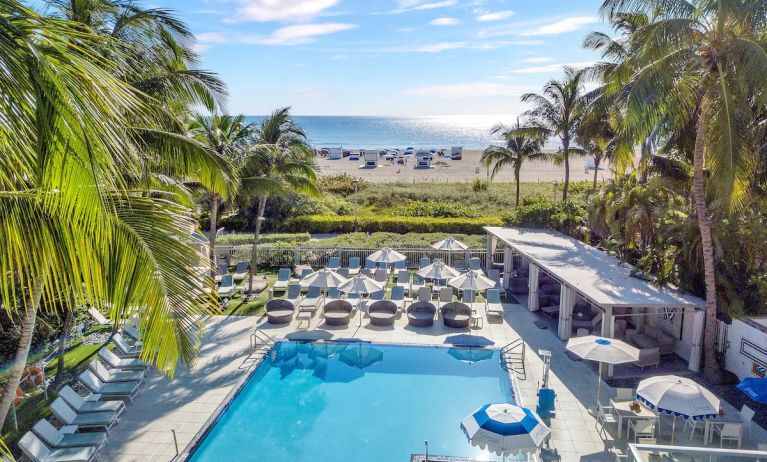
265	338
514	353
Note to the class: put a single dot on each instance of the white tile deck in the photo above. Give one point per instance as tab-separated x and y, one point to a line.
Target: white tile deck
187	401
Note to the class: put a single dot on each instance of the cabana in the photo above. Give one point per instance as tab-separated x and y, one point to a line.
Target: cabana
456	153
423	159
596	290
371	158
336	153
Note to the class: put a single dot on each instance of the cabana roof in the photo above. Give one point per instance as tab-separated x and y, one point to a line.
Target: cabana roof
599	277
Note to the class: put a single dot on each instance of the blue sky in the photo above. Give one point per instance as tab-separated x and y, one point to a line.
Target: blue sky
387	57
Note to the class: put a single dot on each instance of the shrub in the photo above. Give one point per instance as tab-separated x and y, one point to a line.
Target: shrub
534	199
562	216
342	183
439	209
580	187
480	185
398	224
268	238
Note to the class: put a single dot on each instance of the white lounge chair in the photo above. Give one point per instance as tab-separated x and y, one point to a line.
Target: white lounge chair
66	415
283	279
112	360
241	270
36	450
424	294
417	284
227	287
445	296
57	438
354	265
398	296
121	390
114	375
403	279
312	299
293	294
493	306
132	332
221	271
334	263
124	347
90	403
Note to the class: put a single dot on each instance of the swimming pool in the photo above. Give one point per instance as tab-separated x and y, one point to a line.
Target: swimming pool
356	402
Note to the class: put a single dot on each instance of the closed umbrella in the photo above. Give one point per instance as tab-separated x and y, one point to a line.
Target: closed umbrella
603	350
451	245
504	428
678	396
360	285
755	388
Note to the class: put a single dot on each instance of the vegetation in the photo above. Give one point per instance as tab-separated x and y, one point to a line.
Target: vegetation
393	224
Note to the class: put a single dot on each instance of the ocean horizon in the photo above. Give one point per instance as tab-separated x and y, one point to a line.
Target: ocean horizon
381	132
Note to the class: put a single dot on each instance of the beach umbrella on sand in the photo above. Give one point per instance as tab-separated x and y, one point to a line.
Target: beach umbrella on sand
603	350
755	388
505	429
451	245
386	255
360	285
678	396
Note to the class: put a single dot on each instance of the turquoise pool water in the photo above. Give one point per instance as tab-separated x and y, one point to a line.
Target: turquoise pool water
356	402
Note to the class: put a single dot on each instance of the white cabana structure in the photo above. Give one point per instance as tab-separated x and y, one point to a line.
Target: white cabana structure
590	290
371	158
336	153
423	159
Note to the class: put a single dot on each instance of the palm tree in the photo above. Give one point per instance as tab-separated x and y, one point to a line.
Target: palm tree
595	136
228	136
71	220
557	112
281	162
522	146
701	62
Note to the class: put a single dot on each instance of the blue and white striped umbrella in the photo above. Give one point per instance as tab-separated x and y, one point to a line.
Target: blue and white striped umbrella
505	429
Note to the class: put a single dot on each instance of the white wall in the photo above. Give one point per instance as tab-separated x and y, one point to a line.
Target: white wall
747	350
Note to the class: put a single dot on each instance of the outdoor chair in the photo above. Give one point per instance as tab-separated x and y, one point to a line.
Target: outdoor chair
400	265
279	311
227	287
125	349
112	360
354	265
36	450
495	276
403	279
493	306
241	270
306	272
642	428
370	264
221	271
460	265
114	375
57	438
311	300
90	403
343	272
119	390
293	294
377	295
475	264
381	275
424	294
456	315
417	284
382	313
605	416
624	394
424	262
332	295
334	263
421	314
67	416
445	295
283	279
337	312
131	332
730	432
398	296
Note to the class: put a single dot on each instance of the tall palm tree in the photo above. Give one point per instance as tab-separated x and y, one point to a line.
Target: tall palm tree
71	220
521	145
703	62
595	136
228	136
281	162
557	112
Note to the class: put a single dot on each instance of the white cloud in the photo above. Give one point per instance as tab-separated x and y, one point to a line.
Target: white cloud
211	38
280	10
443	22
304	33
420	5
494	16
446	46
538	59
550	68
468	90
563	26
437	47
308	92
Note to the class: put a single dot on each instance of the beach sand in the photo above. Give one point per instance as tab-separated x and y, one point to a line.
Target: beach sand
457	171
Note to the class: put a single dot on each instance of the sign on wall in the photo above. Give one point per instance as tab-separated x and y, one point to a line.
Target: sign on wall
757	354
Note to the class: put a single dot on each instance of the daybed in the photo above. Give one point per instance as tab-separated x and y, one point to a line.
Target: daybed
456	314
279	311
382	313
421	314
337	313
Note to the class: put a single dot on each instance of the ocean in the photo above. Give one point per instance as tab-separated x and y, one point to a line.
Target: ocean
368	132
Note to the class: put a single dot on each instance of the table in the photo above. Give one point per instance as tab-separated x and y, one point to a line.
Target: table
708	427
621	409
305	315
476	318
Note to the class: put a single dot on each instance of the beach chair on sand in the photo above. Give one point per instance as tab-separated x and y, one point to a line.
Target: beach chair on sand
65	414
354	265
90	403
56	438
493	306
283	279
37	451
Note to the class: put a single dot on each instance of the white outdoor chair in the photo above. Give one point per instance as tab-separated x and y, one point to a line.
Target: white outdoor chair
605	416
731	432
642	428
445	295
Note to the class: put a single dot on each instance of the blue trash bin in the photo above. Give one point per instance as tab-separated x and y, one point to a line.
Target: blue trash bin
546	397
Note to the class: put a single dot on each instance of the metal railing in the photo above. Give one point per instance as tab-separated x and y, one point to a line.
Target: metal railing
266	340
513	357
663	453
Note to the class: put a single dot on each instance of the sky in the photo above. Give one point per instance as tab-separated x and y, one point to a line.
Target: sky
387	57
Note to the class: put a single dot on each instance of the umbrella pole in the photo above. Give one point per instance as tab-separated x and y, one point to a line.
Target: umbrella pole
599	383
673	430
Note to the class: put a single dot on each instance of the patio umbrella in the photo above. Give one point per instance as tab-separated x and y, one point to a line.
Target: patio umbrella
603	350
678	396
755	388
386	255
451	245
472	280
360	285
324	279
505	429
437	270
361	356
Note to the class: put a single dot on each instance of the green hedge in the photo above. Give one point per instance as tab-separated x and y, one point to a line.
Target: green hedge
377	223
264	238
562	216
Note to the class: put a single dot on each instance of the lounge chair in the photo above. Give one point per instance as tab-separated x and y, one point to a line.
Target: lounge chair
421	314
417	284
460	265
66	415
475	264
283	279
493	306
90	403
311	300
370	265
221	271
124	348
382	313
377	295
424	262
56	438
456	315
334	263
306	272
343	272
293	294
495	275
403	279
398	296
424	294
120	390
381	275
241	270
114	375
354	265
112	360
357	300
279	311
37	451
332	295
445	295
131	331
227	287
400	265
337	312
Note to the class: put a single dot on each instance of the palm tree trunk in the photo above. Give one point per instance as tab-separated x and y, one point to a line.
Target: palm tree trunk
213	227
596	172
566	148
516	178
63	337
22	352
254	250
710	365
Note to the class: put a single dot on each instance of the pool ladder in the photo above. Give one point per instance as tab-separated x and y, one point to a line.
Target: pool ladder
261	342
513	357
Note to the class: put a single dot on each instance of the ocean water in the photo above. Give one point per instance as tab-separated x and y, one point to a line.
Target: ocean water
357	402
398	132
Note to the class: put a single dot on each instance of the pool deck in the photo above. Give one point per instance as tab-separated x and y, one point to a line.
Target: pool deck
187	401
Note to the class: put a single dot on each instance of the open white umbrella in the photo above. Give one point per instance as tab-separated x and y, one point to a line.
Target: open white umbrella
678	396
451	244
472	280
360	285
603	350
324	279
505	429
438	270
386	255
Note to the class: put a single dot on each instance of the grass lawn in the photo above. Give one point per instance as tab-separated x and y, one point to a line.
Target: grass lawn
239	307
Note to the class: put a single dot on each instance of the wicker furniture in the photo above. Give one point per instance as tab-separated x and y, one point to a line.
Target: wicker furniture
456	314
279	311
338	313
421	314
382	313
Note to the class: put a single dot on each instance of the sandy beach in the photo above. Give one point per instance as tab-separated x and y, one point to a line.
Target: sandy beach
457	171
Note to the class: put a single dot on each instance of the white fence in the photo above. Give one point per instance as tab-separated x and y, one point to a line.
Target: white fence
270	256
